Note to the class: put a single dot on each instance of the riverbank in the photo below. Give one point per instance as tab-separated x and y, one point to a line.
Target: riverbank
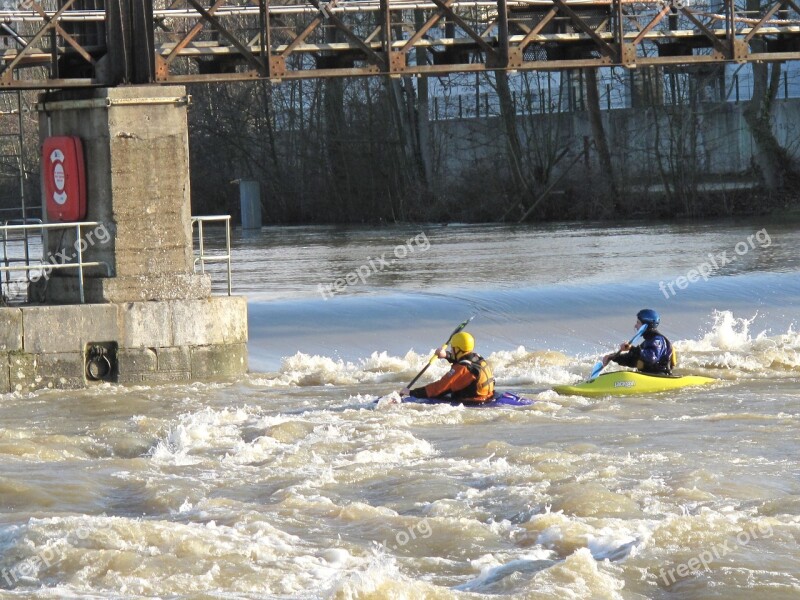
732	198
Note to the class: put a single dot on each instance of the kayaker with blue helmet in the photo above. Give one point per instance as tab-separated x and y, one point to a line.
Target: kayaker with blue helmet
470	379
654	355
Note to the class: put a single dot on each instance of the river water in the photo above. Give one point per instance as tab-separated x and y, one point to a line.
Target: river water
291	483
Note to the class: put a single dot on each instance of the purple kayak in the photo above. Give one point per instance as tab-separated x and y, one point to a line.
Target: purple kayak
500	399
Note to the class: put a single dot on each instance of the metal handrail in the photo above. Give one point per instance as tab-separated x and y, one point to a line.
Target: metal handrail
79	264
203	258
49	265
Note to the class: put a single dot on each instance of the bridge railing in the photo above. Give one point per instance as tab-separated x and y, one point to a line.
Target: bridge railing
20	244
203	254
17	240
235	41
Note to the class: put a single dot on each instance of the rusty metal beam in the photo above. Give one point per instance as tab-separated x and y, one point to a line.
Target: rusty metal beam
711	37
502	32
198	27
449	36
490	52
768	15
56	26
579	23
412	41
222	30
6	74
649	27
372	56
538	28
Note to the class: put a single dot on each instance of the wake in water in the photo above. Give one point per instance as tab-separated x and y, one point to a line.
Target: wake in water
728	350
730	345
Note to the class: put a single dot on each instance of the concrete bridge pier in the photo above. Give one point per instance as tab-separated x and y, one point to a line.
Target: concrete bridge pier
147	315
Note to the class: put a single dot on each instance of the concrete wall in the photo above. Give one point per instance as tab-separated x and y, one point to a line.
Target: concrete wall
181	340
717	133
137	171
150	319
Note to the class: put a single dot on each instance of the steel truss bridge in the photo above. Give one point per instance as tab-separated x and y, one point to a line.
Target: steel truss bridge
78	43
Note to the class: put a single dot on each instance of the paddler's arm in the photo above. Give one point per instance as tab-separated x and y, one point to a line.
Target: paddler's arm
455	379
416	392
631	358
615	356
420	391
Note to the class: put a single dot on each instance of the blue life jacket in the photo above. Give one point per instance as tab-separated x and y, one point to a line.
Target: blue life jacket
653	355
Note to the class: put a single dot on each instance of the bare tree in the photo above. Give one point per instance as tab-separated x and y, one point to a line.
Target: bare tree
598	132
772	159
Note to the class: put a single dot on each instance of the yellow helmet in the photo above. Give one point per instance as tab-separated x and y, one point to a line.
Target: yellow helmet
462	343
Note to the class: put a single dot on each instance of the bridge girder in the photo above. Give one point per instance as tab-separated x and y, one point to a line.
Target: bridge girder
83	43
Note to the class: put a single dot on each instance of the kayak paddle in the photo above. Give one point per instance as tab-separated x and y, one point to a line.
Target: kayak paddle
598	366
436	354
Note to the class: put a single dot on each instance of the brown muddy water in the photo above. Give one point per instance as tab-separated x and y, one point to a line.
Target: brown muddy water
291	483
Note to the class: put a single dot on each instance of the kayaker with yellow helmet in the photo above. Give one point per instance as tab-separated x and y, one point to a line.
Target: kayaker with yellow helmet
654	355
470	379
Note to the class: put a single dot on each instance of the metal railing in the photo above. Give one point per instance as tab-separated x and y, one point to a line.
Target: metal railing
202	258
33	230
34	271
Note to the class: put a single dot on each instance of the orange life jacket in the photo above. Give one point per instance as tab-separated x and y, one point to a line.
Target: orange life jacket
483	387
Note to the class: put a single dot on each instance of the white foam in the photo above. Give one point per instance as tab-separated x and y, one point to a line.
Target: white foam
380	577
197	432
730	344
511	368
303	369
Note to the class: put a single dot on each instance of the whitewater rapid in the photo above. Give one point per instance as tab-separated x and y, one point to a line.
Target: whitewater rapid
293	483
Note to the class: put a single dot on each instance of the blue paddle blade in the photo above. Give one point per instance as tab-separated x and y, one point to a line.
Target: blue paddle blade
641	331
598	366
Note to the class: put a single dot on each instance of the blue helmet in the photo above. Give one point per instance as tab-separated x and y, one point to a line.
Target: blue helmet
648	317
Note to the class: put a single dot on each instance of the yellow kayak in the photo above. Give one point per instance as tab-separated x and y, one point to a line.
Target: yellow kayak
627	383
